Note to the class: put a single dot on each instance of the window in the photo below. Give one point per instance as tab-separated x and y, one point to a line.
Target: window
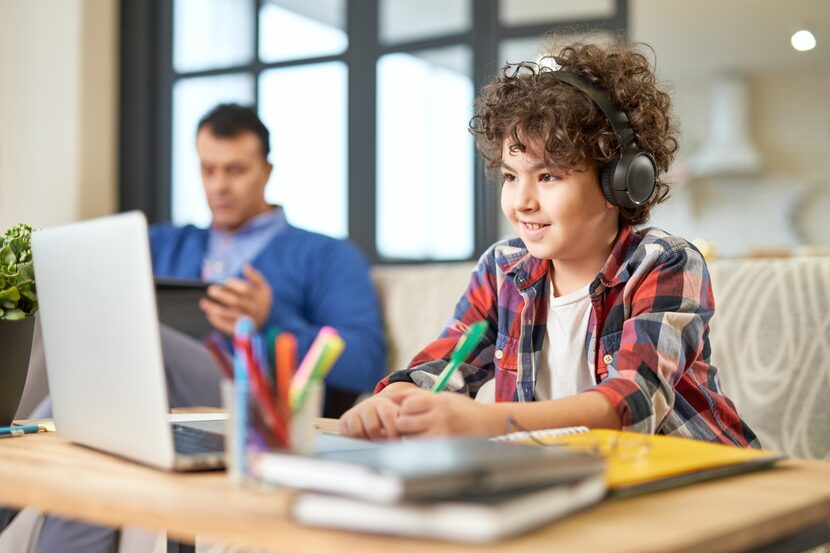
367	102
424	153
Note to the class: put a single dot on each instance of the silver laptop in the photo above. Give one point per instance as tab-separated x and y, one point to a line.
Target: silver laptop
103	351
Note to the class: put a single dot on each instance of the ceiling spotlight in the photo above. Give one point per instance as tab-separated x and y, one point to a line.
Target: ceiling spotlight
803	40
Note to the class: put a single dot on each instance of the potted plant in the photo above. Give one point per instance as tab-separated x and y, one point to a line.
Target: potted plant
18	305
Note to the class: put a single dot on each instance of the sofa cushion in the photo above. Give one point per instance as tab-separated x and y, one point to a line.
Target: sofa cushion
771	343
417	302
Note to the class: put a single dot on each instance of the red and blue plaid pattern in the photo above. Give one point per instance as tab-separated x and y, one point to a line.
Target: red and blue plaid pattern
648	339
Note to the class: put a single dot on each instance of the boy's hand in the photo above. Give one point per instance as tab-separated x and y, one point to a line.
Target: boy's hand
237	297
423	414
372	418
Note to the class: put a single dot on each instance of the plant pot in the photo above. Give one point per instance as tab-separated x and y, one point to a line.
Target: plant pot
15	348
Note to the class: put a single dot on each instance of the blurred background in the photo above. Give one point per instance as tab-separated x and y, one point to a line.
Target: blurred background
368	103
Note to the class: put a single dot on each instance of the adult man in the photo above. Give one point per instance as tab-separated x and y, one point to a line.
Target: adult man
281	276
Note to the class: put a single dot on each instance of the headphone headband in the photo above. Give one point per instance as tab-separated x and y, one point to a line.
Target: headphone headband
617	117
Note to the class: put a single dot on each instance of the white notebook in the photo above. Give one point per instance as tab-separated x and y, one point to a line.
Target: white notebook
469	519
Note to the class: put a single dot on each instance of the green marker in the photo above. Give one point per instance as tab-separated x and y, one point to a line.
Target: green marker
465	346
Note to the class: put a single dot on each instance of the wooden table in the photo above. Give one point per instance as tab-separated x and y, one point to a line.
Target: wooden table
744	512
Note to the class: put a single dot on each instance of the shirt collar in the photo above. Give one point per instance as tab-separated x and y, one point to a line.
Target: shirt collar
527	270
273	219
615	269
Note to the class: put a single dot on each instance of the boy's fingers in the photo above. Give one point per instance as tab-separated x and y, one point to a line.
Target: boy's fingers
371	424
417	403
399	395
413	425
387	413
353	426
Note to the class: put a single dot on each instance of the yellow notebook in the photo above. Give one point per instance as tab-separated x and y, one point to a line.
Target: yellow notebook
639	463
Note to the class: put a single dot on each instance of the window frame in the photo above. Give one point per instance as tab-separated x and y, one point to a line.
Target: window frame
147	78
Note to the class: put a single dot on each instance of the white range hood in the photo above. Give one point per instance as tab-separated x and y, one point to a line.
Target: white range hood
728	149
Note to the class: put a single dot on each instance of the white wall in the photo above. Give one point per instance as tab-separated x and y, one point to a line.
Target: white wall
58	114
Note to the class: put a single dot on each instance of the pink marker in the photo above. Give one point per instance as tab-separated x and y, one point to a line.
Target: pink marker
310	360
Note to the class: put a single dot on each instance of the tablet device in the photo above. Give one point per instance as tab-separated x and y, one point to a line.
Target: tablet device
178	305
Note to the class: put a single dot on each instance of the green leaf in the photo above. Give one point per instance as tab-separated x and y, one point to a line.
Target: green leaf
14	315
12	294
7	257
27	270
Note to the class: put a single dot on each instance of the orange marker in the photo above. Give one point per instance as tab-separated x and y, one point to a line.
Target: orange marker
285	347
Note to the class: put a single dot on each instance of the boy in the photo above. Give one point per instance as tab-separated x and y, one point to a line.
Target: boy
591	321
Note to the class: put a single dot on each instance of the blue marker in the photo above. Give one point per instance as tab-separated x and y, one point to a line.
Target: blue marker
242	334
13	431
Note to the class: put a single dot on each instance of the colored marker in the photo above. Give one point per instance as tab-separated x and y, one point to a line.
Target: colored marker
14	431
286	355
310	360
242	331
465	346
332	348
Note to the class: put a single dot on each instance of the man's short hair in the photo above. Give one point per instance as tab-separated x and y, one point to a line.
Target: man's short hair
231	120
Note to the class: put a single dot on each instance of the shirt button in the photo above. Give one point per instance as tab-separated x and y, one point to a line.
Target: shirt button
607	358
499	354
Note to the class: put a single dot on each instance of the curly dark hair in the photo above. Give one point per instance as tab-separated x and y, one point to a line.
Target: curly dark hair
526	102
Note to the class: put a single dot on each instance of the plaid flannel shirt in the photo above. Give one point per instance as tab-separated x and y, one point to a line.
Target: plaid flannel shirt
647	341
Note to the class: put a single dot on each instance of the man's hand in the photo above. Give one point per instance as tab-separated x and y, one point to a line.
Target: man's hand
423	414
238	297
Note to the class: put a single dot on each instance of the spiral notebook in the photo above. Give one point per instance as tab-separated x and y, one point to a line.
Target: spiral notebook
638	463
529	436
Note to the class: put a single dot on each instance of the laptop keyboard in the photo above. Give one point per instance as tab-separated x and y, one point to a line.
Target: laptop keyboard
189	440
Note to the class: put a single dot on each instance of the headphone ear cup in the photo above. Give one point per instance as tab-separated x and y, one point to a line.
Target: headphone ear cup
606	176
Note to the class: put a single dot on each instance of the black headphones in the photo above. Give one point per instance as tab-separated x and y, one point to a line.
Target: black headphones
627	181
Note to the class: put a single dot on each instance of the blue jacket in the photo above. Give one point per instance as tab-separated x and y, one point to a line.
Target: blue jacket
316	281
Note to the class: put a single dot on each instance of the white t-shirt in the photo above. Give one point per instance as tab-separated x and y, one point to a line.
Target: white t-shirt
564	370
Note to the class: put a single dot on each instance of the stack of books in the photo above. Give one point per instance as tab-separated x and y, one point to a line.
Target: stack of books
477	490
461	489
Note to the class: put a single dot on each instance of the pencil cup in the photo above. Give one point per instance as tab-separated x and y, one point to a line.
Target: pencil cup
303	428
234	452
241	431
